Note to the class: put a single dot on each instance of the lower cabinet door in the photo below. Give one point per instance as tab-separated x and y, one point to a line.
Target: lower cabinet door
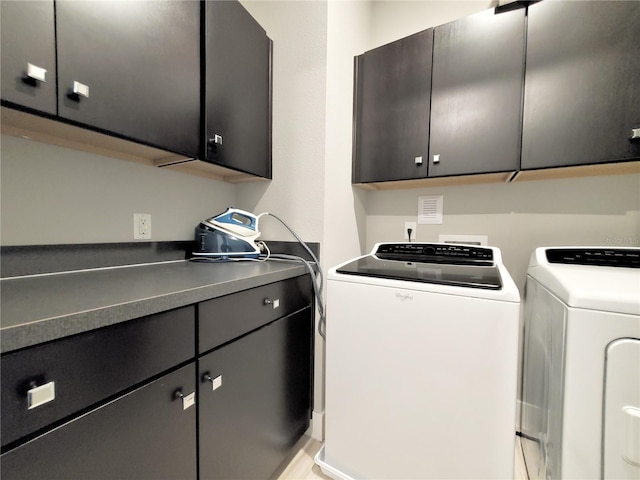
146	434
254	399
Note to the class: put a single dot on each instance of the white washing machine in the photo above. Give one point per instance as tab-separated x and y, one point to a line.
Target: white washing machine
581	369
421	364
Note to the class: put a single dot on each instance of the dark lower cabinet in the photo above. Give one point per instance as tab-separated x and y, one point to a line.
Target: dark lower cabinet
476	94
391	110
237	96
582	94
143	399
254	399
28	54
146	434
132	69
86	369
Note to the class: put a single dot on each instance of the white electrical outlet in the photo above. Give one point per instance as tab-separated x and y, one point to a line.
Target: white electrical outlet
142	226
412	226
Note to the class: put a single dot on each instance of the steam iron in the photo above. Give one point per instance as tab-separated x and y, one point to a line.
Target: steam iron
230	234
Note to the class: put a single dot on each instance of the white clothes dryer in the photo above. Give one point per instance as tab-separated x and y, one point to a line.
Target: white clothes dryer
421	364
580	413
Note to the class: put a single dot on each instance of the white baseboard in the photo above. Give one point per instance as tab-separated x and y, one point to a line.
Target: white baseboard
316	429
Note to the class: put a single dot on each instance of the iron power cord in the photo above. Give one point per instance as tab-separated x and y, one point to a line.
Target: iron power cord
316	274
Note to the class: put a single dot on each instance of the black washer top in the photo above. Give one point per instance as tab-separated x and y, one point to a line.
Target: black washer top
457	265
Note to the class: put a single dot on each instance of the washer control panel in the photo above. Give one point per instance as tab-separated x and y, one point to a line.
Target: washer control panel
434	252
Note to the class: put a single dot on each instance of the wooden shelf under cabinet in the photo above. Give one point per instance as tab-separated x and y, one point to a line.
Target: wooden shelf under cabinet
619	168
17	123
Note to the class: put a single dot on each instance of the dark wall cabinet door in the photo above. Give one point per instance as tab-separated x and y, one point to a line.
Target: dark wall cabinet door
237	130
391	110
582	89
255	399
147	434
478	68
28	54
133	69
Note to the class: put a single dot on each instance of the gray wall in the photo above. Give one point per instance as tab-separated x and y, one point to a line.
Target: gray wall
53	195
518	217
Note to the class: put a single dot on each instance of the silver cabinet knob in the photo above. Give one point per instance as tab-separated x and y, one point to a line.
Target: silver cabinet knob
37	396
635	134
36	73
274	303
436	158
187	400
216	139
80	89
215	382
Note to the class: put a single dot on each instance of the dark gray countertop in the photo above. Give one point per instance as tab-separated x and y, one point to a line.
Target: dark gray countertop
37	309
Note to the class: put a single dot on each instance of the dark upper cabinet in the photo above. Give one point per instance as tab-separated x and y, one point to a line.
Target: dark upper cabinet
476	94
391	110
133	69
28	54
582	89
237	97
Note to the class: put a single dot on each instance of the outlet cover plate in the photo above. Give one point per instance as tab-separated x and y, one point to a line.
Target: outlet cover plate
142	226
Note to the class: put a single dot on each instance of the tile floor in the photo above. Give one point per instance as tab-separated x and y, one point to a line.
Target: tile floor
302	467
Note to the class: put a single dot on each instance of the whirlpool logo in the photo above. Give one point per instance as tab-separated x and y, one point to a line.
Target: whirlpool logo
404	296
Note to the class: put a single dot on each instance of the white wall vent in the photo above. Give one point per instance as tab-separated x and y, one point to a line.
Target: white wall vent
430	209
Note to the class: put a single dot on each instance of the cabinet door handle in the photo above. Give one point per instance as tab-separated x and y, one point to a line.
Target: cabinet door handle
635	134
36	73
215	382
187	400
80	89
37	396
216	139
274	303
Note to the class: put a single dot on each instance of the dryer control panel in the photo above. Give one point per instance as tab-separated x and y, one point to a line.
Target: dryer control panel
603	257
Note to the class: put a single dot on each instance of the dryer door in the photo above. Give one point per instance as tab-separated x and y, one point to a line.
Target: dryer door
621	433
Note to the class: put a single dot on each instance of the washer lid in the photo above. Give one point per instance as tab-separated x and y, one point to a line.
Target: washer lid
582	283
455	265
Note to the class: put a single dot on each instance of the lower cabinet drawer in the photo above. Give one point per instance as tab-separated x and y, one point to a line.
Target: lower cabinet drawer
225	318
47	383
146	434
